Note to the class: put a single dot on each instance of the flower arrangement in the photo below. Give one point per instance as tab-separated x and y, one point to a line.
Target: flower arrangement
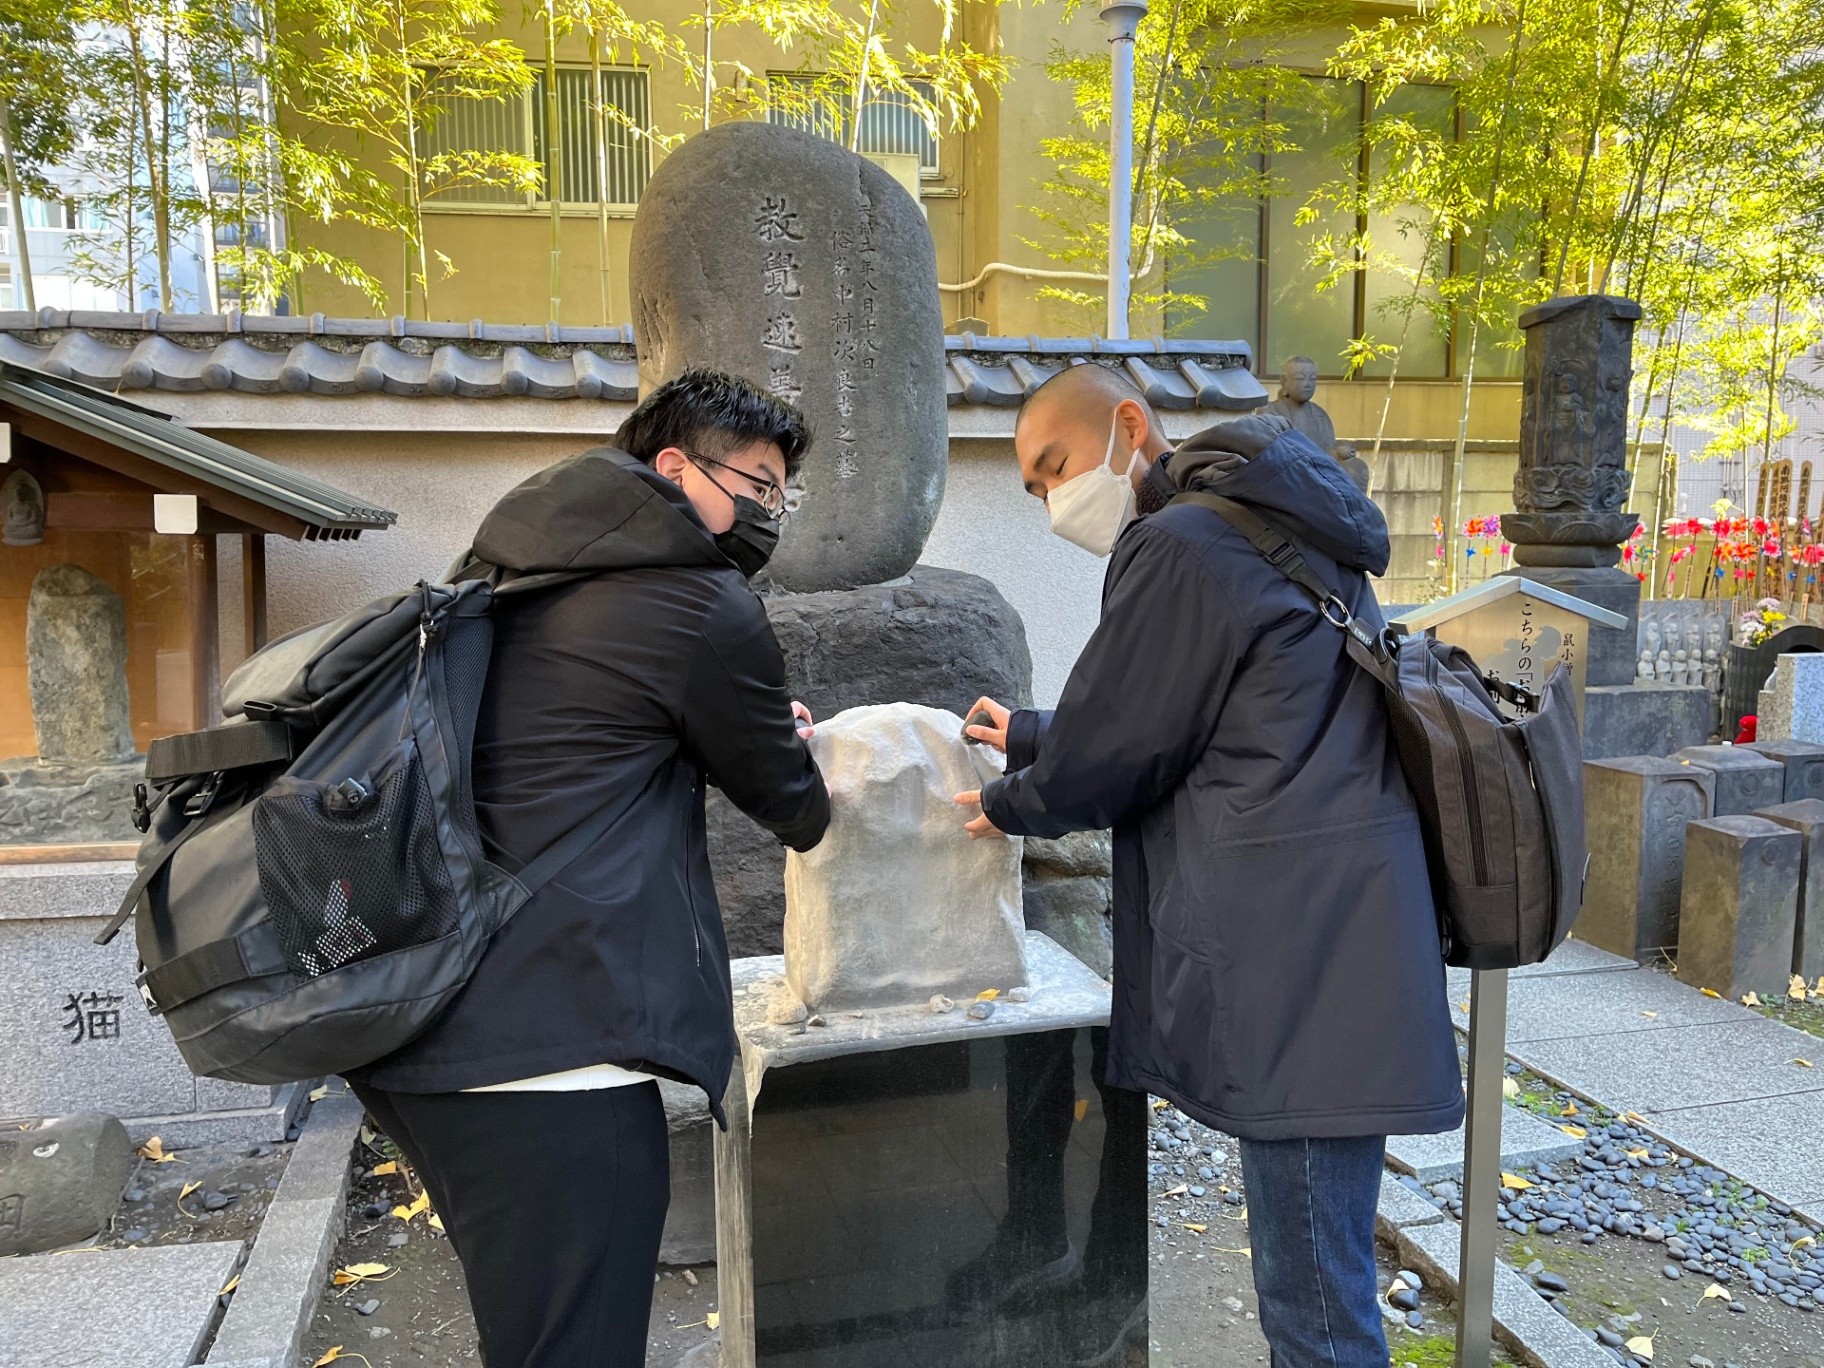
1757	627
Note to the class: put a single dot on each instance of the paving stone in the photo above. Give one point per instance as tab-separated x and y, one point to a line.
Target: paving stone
1525	1141
126	1308
1576	1005
1739	905
1572	957
1400	1207
1758	1142
1524	1321
1694	1066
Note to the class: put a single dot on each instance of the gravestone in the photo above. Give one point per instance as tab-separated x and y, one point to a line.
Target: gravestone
76	664
1792	707
1636	809
1804	761
1740	900
1745	779
1568	523
1807	818
809	270
897	902
60	1179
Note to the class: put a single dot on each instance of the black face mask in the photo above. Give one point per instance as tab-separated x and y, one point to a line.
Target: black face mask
750	542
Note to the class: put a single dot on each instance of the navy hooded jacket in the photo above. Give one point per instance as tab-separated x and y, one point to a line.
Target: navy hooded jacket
1277	961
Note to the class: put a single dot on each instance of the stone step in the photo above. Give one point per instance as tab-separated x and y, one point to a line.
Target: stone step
1525	1141
120	1308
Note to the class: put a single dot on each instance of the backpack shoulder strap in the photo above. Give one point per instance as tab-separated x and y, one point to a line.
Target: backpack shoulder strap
556	857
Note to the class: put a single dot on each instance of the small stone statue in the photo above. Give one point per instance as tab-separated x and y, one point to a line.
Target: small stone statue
1655	638
1297	388
1716	636
22	500
1681	667
1662	667
1643	671
1713	670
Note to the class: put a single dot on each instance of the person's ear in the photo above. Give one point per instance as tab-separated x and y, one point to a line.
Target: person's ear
670	463
1132	420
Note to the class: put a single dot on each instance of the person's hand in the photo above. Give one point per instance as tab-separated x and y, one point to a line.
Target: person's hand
807	728
996	735
979	826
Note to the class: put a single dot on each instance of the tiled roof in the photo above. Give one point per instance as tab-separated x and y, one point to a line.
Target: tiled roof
191	353
324	511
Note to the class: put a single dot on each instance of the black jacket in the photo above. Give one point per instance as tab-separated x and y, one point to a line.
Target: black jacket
633	687
1278	972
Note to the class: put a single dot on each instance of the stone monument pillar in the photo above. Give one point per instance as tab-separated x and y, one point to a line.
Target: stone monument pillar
1573	476
789	260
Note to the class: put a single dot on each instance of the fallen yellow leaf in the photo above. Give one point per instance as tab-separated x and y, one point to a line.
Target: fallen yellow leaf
1802	1241
233	1283
1160	1104
361	1272
1707	992
1819	986
713	1320
1751	999
1570	1109
1634	1116
1637	1154
436	1221
1195	1229
405	1213
318	1094
1576	1132
188	1189
154	1150
1082	1107
1655	1015
1464	1004
390	1167
1641	1346
1802	1063
330	1357
1514	1181
1716	1290
988	995
1797	989
1509	1088
1178	1191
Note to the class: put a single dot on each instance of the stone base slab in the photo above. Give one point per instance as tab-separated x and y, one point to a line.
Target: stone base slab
1646	719
1525	1142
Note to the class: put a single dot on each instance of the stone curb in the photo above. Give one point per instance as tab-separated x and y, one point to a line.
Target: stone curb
1524	1321
278	1291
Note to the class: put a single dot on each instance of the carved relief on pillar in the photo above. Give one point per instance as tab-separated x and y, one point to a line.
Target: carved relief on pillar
1573	477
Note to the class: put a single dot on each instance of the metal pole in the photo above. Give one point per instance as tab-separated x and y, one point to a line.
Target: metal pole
1123	18
1481	1166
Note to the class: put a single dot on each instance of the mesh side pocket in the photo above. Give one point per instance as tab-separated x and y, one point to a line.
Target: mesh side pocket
347	883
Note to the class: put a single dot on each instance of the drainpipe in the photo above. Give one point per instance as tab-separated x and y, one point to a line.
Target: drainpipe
1123	18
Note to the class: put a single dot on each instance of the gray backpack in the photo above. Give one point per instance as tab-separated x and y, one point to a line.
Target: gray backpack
1500	800
313	889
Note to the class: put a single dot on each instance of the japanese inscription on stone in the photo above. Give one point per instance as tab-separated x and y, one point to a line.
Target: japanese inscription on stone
777	226
95	1016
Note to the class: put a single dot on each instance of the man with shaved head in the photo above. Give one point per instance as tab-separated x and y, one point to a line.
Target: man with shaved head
1278	969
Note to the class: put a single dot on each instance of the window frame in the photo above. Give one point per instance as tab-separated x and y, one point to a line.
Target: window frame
932	172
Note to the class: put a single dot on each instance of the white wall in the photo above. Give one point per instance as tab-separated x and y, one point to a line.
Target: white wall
990	526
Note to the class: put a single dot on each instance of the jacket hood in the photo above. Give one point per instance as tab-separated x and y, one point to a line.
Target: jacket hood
1264	462
601	510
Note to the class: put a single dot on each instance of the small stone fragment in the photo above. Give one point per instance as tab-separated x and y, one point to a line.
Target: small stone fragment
980	1011
398	1240
1552	1282
1019	995
1404	1298
940	1004
1415	1320
816	1021
1411	1279
787	1011
367	1308
135	1236
1673	1271
215	1201
134	1194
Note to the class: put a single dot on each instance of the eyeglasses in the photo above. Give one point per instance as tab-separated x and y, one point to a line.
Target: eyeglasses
771	497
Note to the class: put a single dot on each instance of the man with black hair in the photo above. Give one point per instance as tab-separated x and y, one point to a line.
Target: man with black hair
531	1108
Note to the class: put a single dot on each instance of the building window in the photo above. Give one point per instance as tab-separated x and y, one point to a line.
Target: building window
890	123
518	126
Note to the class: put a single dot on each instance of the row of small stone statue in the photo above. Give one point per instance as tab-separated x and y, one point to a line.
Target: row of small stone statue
1683	651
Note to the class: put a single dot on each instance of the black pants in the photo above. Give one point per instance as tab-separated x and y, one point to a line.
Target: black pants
555	1203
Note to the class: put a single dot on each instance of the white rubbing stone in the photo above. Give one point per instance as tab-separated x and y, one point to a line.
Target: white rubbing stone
897	903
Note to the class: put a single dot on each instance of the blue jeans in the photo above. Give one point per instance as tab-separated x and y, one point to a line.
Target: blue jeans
1311	1225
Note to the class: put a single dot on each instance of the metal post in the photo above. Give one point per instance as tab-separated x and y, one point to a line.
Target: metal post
1481	1166
1123	18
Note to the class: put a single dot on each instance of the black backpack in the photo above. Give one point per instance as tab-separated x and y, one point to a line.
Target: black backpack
313	889
1500	800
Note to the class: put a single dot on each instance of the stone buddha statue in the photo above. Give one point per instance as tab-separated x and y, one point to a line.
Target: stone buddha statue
22	510
1297	386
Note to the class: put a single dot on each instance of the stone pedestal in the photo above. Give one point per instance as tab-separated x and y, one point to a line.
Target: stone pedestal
1646	719
78	1037
1635	812
1741	890
909	1188
1612	649
1745	779
1804	762
1807	818
51	804
941	638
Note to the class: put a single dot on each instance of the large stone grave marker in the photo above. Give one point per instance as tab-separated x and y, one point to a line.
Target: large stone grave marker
1807	818
1740	899
1635	811
1745	779
1804	761
792	261
1792	708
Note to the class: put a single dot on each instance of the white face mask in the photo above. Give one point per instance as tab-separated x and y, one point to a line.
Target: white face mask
1091	509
